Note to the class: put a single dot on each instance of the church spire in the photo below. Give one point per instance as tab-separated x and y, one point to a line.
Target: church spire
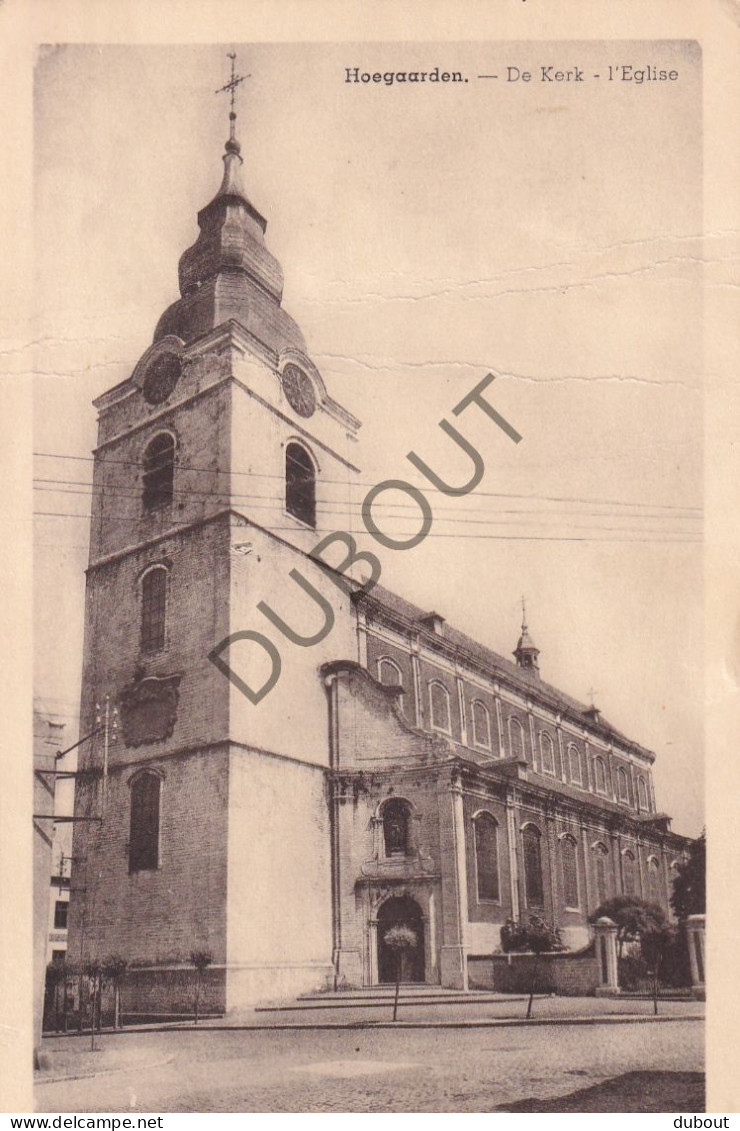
229	275
526	651
232	184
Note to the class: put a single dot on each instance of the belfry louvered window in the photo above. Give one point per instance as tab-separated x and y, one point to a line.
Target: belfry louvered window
300	484
159	472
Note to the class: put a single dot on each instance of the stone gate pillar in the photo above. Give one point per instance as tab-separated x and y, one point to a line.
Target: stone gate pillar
695	938
605	931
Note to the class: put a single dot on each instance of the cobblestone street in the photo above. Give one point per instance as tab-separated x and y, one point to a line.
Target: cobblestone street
358	1070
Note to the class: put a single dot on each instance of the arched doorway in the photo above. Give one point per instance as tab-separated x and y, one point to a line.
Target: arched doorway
400	911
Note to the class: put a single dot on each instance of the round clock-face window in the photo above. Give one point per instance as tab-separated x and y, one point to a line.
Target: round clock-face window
299	390
161	378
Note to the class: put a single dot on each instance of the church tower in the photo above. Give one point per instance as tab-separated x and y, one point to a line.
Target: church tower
221	460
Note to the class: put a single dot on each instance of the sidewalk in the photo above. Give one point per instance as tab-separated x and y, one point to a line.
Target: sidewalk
455	1012
350	1011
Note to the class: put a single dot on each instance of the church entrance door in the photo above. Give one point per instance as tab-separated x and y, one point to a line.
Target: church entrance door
400	912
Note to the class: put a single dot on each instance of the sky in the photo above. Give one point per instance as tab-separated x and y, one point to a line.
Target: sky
547	233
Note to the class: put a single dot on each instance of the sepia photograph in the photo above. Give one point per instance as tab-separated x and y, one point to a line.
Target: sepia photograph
368	501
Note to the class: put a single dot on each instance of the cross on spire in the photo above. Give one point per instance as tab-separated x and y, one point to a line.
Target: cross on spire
230	88
524	613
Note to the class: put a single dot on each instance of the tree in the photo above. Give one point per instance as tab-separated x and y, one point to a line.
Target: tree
533	935
632	915
56	973
655	942
201	960
114	968
93	970
689	896
401	940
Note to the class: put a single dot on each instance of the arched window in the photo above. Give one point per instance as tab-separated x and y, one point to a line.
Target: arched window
547	753
574	762
653	881
300	484
389	674
516	739
642	794
601	860
629	882
153	609
143	842
600	774
623	789
396	827
486	856
481	725
439	701
532	852
569	860
159	472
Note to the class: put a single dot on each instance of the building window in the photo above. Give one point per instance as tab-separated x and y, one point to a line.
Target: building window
300	484
389	673
601	859
600	774
159	472
516	739
397	827
574	761
653	881
481	725
153	609
486	857
569	860
143	850
58	957
61	910
532	852
629	882
623	789
439	700
547	753
642	794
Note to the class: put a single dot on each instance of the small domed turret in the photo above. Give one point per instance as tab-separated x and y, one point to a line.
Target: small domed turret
526	651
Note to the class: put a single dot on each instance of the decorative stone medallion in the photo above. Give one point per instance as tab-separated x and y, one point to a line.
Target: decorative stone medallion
148	709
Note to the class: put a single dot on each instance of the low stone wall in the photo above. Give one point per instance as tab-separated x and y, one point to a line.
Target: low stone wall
571	973
160	991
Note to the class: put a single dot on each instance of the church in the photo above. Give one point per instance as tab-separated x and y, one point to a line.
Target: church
396	773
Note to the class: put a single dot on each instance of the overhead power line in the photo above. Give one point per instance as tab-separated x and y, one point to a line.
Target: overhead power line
70	487
350	481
